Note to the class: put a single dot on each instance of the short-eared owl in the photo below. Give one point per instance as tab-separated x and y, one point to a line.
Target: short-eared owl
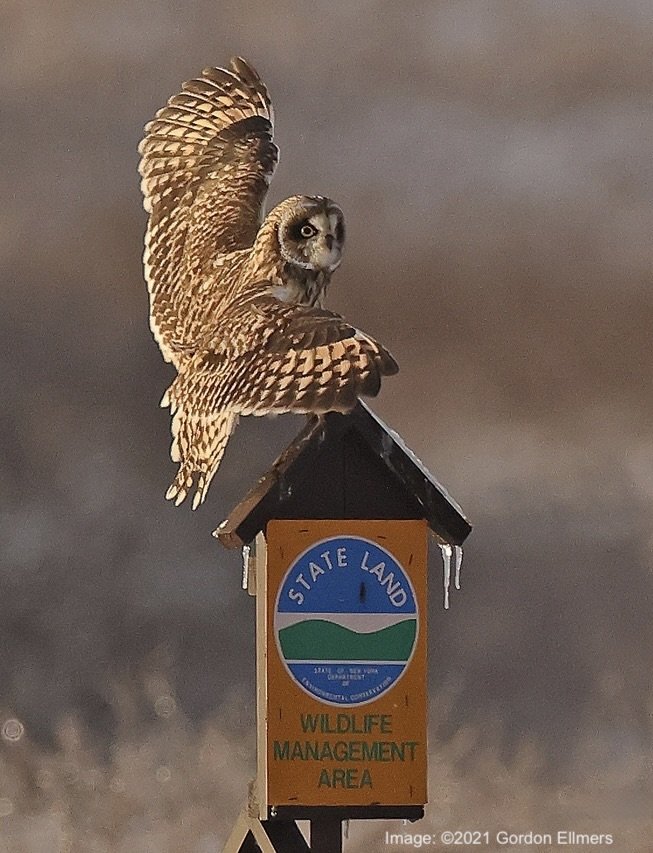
235	297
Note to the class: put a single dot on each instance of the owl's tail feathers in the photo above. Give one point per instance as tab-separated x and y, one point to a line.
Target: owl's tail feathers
198	444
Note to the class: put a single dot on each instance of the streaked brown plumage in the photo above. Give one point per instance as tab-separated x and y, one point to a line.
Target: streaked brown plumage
235	299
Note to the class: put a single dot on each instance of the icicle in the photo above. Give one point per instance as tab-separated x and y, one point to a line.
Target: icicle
458	552
245	581
386	446
446	565
285	489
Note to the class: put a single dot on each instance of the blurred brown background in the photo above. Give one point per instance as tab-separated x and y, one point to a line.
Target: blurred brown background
494	163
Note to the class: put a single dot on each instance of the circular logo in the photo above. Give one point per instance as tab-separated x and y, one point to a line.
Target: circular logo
346	620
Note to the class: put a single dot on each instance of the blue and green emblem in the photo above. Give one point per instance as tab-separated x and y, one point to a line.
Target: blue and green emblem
346	620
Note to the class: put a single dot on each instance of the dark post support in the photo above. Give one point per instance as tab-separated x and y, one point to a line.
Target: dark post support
326	836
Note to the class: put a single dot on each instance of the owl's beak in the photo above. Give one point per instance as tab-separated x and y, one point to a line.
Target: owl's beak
326	253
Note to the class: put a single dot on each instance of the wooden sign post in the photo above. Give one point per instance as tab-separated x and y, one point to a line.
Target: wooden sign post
339	571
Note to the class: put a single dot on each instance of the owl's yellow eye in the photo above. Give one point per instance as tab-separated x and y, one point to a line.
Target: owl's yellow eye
307	230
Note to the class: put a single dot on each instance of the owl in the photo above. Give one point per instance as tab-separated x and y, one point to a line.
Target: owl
237	297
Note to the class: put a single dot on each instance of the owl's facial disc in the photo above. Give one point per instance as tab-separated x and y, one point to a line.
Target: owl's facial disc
315	237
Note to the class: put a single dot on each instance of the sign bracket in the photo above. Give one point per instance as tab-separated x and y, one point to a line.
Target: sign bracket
251	835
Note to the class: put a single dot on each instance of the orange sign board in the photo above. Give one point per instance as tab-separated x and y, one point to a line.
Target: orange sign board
345	663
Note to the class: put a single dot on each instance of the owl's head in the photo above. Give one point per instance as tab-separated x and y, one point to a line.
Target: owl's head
311	233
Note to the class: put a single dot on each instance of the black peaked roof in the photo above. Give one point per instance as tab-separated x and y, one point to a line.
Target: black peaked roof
345	466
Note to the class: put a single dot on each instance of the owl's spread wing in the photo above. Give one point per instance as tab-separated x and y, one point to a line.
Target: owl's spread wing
279	358
311	361
206	162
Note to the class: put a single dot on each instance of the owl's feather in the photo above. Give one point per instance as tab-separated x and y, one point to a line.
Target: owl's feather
206	162
266	358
